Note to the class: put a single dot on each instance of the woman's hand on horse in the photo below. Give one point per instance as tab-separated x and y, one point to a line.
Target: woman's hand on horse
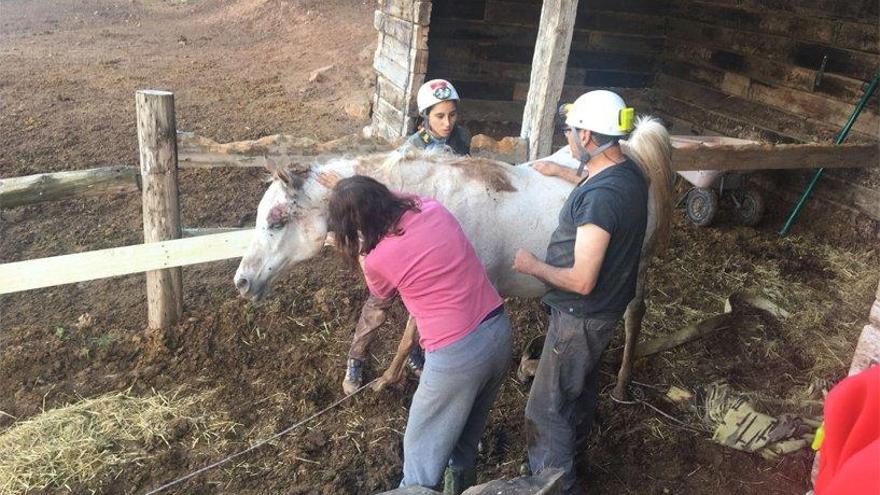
329	179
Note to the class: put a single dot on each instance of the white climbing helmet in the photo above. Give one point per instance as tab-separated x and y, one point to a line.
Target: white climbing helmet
433	92
600	111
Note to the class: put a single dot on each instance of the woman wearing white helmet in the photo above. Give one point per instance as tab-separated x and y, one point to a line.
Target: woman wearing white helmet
438	107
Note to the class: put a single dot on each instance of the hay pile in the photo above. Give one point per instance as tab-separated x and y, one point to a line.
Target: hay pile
91	440
826	289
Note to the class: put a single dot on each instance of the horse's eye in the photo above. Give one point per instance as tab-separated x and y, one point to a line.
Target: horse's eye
278	224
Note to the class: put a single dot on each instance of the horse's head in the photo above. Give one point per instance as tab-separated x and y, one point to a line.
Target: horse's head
291	227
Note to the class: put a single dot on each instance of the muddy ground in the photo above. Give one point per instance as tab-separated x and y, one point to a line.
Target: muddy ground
239	70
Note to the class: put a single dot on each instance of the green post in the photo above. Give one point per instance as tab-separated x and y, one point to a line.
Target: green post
792	216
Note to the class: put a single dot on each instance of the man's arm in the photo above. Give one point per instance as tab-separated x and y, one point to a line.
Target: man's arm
553	169
590	245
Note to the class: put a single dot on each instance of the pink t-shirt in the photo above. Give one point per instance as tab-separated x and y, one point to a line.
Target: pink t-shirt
437	273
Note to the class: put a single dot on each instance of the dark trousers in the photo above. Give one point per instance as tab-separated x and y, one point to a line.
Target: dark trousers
564	394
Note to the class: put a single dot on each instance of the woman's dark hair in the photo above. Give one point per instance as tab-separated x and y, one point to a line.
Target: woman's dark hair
362	212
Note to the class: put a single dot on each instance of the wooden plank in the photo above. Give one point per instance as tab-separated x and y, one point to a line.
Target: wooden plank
413	11
385	131
710	109
485	90
18	191
389	92
459	9
755	67
858	10
633	96
157	140
770	157
621	22
752	20
400	29
858	36
809	55
93	265
414	60
390	115
548	74
862	198
392	71
470	70
517	13
200	231
201	152
817	107
841	194
493	111
514	35
600	41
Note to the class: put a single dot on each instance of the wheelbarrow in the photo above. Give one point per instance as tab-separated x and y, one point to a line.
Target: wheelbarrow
712	188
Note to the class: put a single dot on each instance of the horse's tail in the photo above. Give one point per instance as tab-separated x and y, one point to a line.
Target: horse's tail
649	146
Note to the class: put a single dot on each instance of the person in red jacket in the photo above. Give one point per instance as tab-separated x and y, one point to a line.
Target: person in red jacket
849	458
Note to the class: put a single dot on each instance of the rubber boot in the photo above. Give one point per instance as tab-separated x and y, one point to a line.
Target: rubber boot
354	376
455	481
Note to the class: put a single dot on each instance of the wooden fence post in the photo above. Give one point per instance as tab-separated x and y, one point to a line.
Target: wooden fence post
157	139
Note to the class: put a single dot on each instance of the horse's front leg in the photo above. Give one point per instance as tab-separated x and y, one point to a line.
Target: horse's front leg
635	311
395	372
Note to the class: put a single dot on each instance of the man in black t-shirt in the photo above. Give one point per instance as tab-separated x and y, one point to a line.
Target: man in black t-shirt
591	269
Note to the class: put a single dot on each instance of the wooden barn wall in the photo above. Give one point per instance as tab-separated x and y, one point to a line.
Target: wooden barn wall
485	48
751	69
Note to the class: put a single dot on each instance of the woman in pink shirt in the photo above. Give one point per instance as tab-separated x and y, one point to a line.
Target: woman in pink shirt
414	248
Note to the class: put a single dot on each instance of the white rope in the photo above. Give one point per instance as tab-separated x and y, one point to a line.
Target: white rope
258	444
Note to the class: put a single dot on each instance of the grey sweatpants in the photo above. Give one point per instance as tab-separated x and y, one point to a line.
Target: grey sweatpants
449	409
564	393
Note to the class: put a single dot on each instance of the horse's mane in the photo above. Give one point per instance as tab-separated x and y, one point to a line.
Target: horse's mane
493	174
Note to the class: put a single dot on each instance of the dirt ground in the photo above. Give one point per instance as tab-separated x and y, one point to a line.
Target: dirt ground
239	70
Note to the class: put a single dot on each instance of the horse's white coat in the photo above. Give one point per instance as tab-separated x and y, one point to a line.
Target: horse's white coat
500	207
496	222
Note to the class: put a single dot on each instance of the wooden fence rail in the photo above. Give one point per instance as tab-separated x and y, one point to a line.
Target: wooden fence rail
92	265
199	152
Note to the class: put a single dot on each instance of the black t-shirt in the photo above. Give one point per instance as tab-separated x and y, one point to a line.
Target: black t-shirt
616	200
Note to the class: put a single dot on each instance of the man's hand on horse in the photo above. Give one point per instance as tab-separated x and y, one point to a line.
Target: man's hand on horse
329	179
524	261
544	167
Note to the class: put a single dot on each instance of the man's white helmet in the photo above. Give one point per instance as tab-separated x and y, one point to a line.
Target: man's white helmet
433	92
601	111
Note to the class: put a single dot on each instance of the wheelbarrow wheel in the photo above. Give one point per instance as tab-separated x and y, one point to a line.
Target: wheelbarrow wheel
701	206
750	207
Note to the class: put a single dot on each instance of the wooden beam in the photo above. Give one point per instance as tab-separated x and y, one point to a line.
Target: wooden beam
770	157
18	191
200	231
493	110
157	139
92	265
548	74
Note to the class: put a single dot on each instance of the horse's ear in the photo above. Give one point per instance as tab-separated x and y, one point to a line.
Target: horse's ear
291	181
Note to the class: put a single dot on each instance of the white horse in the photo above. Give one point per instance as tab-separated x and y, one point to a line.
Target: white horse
500	207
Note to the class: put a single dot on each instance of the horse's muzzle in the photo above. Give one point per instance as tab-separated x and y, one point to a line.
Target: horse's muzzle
248	290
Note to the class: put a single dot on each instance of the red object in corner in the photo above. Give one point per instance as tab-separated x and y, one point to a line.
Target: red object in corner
849	459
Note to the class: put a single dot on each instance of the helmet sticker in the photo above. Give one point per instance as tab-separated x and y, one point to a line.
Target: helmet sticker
442	93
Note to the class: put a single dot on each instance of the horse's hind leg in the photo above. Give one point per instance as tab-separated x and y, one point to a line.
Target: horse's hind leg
635	311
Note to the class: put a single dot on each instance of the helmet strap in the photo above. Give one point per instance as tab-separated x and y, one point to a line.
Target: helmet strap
585	155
